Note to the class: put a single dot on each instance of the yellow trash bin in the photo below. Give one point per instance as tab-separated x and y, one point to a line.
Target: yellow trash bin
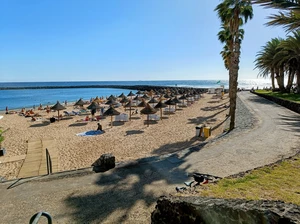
207	132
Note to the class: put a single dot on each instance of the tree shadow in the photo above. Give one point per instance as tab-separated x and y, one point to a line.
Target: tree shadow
290	123
201	120
78	124
123	190
218	107
176	146
134	132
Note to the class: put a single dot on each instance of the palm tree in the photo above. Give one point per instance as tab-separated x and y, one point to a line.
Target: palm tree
264	60
289	17
233	14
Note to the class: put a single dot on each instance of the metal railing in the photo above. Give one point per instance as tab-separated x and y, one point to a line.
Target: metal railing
36	217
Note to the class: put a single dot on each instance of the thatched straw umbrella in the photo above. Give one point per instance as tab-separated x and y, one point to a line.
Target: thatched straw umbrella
58	107
131	94
183	97
139	92
80	103
145	97
148	110
170	102
176	100
93	107
112	97
142	104
121	96
137	98
129	104
111	112
111	102
97	100
160	105
153	101
124	100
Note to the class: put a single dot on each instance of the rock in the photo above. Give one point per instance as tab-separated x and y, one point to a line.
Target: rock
104	163
226	211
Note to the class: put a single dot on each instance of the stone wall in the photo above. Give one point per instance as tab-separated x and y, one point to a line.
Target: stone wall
285	103
213	211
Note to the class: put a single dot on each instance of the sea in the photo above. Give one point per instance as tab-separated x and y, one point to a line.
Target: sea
28	98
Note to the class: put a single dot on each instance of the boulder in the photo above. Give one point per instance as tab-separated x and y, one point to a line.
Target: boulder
226	211
104	163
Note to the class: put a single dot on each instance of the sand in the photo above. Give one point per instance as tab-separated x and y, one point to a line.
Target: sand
126	140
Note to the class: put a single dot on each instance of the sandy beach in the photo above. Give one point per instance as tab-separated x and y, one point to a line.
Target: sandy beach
126	140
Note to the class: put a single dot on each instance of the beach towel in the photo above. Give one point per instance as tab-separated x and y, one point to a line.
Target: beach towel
1	117
90	133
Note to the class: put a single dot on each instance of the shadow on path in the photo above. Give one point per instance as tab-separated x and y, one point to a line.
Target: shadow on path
123	189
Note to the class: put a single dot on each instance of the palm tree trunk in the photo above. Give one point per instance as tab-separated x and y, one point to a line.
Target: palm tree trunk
235	59
298	80
272	78
290	80
280	79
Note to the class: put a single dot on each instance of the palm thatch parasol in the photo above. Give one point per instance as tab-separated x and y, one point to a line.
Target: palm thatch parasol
170	102
137	98
80	103
112	97
111	112
97	100
183	97
142	104
139	92
58	107
121	96
145	97
153	101
124	100
111	102
160	105
148	110
129	104
131	94
93	106
176	100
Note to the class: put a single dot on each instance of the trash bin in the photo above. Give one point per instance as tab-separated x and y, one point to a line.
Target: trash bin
199	130
2	152
207	132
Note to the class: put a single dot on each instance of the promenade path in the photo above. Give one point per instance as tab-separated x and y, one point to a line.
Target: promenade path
265	133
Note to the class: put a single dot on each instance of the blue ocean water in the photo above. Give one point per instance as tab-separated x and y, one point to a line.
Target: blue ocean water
28	97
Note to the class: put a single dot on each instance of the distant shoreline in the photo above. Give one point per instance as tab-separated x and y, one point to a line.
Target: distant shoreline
134	87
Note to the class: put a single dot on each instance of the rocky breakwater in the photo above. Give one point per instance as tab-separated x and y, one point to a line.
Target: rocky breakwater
212	210
134	87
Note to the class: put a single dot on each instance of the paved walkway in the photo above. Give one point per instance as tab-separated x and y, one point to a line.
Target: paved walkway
128	193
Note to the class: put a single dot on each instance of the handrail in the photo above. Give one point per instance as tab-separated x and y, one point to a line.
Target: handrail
35	218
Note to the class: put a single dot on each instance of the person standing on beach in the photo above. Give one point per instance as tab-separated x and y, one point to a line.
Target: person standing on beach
6	109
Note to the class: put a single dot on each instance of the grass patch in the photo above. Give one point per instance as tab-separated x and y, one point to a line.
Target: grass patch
295	97
277	182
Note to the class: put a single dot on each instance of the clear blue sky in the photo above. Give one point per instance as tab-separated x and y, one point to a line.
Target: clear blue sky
99	40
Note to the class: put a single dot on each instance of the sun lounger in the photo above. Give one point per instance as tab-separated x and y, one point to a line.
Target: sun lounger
154	117
121	117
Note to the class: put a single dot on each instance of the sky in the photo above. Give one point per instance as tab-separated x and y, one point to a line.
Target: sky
117	40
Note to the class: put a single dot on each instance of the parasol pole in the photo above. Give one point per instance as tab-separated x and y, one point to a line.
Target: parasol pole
111	121
58	115
130	113
160	113
148	119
